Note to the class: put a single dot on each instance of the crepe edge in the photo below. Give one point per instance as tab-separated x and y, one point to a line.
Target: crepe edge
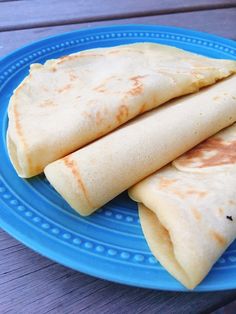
160	243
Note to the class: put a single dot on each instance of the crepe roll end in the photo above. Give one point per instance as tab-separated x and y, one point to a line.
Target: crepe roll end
63	175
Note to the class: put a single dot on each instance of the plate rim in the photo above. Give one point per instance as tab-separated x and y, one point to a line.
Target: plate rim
127	26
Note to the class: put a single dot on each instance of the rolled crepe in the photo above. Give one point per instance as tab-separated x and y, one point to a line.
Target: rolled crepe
93	175
66	103
188	210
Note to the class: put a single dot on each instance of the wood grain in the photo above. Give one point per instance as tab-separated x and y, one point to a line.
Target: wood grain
207	21
53	12
30	283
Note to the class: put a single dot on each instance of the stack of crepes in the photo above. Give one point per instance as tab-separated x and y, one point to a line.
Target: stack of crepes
67	103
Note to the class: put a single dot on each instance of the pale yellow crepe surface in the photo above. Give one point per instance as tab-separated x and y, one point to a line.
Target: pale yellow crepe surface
95	174
68	102
188	210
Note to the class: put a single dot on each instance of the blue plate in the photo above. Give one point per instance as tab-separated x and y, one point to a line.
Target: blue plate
110	243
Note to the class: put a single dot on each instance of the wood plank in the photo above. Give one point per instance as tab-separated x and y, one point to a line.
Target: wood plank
30	283
228	309
28	14
207	21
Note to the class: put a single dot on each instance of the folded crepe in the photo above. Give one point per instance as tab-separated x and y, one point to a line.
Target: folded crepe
66	103
93	175
188	208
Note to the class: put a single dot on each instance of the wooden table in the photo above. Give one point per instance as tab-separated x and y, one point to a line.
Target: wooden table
30	283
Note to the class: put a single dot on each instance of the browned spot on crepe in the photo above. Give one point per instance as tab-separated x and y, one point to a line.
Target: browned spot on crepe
77	56
122	114
64	88
142	108
137	88
99	134
70	163
231	202
196	213
113	52
19	131
184	194
165	182
48	103
221	210
72	76
45	89
179	193
101	88
220	239
197	193
223	153
17	123
216	97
